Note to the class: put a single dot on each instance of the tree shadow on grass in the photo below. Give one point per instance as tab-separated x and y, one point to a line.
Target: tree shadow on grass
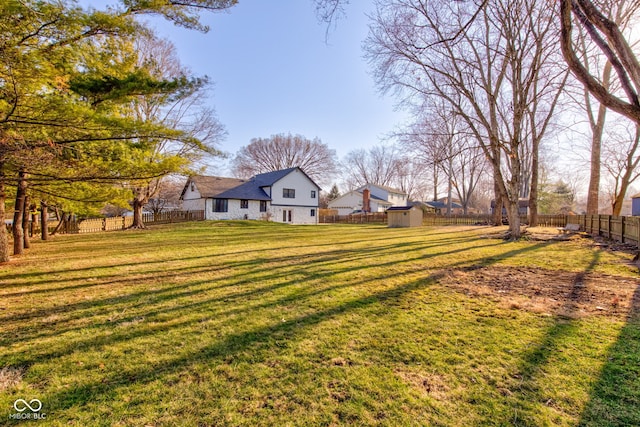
527	389
615	398
233	345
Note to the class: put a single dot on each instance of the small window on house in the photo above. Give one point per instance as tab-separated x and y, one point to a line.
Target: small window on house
313	194
244	204
263	205
289	193
313	212
193	186
220	205
284	216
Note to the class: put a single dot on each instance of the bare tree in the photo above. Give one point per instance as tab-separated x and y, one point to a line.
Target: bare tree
490	74
608	37
185	111
379	165
441	142
282	151
621	13
621	160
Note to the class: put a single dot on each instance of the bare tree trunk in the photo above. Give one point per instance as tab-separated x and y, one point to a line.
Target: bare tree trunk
597	129
137	214
497	211
435	181
25	222
44	221
4	241
513	213
62	219
140	197
533	193
18	231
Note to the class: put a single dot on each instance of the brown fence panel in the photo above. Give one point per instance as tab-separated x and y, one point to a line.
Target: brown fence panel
623	229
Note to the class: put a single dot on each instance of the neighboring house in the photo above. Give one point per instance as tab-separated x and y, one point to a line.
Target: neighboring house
442	206
523	207
380	199
287	195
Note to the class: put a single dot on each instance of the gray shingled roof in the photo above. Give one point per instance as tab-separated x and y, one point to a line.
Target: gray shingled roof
249	191
400	208
211	186
269	178
232	188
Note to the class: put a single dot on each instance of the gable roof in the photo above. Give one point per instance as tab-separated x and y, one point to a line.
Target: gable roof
382	187
442	205
269	178
377	199
211	186
234	188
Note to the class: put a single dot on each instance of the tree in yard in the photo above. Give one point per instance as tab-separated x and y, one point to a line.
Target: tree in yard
595	63
379	165
440	142
183	110
51	104
609	39
498	73
282	151
621	161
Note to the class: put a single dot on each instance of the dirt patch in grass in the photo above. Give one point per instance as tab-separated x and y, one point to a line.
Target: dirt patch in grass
560	293
10	377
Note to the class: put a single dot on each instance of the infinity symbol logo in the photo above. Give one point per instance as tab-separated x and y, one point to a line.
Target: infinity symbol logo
37	405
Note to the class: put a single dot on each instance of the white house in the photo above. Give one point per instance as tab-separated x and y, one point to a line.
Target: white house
287	195
380	199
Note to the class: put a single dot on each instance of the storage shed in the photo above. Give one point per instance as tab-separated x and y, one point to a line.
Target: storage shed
635	205
404	216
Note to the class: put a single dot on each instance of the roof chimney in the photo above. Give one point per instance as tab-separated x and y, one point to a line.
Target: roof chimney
366	197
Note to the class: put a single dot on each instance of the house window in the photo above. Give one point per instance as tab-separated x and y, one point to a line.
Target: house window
284	216
220	205
263	205
289	193
313	212
193	186
313	194
244	204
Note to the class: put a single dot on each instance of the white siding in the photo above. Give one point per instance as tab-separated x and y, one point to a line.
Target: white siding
299	214
301	205
300	183
193	205
234	211
347	203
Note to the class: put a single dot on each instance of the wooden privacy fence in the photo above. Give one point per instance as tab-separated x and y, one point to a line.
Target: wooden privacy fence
623	229
370	218
434	219
94	225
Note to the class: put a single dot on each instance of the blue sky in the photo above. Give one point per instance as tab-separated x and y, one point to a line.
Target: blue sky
275	72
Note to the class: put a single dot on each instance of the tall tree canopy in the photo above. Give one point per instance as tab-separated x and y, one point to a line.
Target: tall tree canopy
67	76
285	151
499	75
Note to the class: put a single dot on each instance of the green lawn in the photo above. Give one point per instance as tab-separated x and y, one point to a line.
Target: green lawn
249	323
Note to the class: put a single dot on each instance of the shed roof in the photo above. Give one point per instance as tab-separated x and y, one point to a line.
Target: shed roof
401	208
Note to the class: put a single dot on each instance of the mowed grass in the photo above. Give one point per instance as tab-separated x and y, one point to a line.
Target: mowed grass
249	323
